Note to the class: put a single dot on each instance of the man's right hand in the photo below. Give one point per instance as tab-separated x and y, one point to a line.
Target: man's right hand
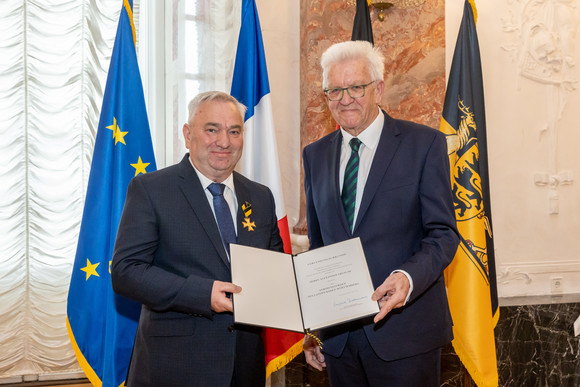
220	302
313	353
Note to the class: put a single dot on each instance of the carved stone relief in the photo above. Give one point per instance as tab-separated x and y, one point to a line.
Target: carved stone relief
541	40
508	275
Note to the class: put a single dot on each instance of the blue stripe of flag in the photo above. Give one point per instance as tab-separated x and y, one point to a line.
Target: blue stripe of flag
250	79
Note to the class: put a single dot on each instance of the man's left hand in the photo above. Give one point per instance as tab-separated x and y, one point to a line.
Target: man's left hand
391	294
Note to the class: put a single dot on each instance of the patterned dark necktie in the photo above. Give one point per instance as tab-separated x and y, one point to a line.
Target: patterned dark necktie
350	179
223	214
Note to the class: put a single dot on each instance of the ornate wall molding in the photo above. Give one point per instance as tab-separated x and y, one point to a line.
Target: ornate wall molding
553	278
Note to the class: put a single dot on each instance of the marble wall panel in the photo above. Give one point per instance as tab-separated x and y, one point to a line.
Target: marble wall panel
535	347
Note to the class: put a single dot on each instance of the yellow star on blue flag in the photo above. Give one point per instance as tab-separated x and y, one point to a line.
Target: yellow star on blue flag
90	269
118	135
140	166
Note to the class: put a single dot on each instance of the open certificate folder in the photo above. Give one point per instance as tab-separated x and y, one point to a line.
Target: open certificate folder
308	291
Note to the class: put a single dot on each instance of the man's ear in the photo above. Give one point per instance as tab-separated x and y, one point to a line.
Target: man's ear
380	89
187	134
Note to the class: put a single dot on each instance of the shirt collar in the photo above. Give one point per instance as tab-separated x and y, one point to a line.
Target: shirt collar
205	182
370	136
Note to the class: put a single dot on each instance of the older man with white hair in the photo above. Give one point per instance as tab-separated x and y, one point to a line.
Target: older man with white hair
385	181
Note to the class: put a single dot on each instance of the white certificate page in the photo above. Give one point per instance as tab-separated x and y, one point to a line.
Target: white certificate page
334	284
269	296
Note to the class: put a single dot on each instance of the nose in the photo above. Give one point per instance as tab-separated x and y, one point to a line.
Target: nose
223	139
346	98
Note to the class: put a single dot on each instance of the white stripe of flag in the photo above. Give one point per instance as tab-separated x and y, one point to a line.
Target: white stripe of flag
250	86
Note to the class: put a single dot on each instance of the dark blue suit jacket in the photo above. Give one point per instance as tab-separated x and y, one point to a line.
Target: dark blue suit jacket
167	254
406	221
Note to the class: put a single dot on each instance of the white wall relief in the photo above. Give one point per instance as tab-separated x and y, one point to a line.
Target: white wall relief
530	56
542	41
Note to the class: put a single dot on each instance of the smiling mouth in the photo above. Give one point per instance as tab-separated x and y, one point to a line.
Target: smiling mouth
221	154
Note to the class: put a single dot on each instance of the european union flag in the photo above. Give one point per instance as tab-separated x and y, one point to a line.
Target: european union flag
101	324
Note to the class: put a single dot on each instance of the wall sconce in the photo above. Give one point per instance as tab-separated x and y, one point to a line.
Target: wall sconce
384	5
381	6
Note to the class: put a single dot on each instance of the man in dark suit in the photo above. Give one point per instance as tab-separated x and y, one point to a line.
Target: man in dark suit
171	257
389	186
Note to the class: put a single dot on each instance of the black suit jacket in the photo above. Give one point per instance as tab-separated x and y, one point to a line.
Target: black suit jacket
406	221
167	254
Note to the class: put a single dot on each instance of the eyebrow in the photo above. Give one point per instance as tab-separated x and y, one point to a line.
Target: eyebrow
220	125
359	83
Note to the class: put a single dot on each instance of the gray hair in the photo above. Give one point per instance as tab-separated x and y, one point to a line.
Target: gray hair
209	96
353	50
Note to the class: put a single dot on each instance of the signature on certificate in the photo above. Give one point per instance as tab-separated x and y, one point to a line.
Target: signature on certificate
347	302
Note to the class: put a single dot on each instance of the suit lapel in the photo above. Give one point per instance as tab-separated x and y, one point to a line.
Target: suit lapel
194	194
386	149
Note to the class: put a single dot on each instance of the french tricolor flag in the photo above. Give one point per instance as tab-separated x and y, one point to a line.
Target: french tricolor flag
259	161
250	86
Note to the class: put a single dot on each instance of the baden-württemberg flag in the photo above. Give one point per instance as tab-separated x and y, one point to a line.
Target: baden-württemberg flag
101	324
470	278
259	161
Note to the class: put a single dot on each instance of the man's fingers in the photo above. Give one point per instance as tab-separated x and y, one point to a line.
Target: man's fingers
315	358
219	296
222	304
384	289
388	303
385	309
313	354
231	288
227	287
379	293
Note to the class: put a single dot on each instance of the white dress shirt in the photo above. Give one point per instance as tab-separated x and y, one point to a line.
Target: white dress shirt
229	194
369	141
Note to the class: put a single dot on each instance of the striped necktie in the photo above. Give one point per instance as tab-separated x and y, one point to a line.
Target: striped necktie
350	179
223	215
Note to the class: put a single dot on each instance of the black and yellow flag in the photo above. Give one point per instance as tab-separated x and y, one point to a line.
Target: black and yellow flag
362	29
470	278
